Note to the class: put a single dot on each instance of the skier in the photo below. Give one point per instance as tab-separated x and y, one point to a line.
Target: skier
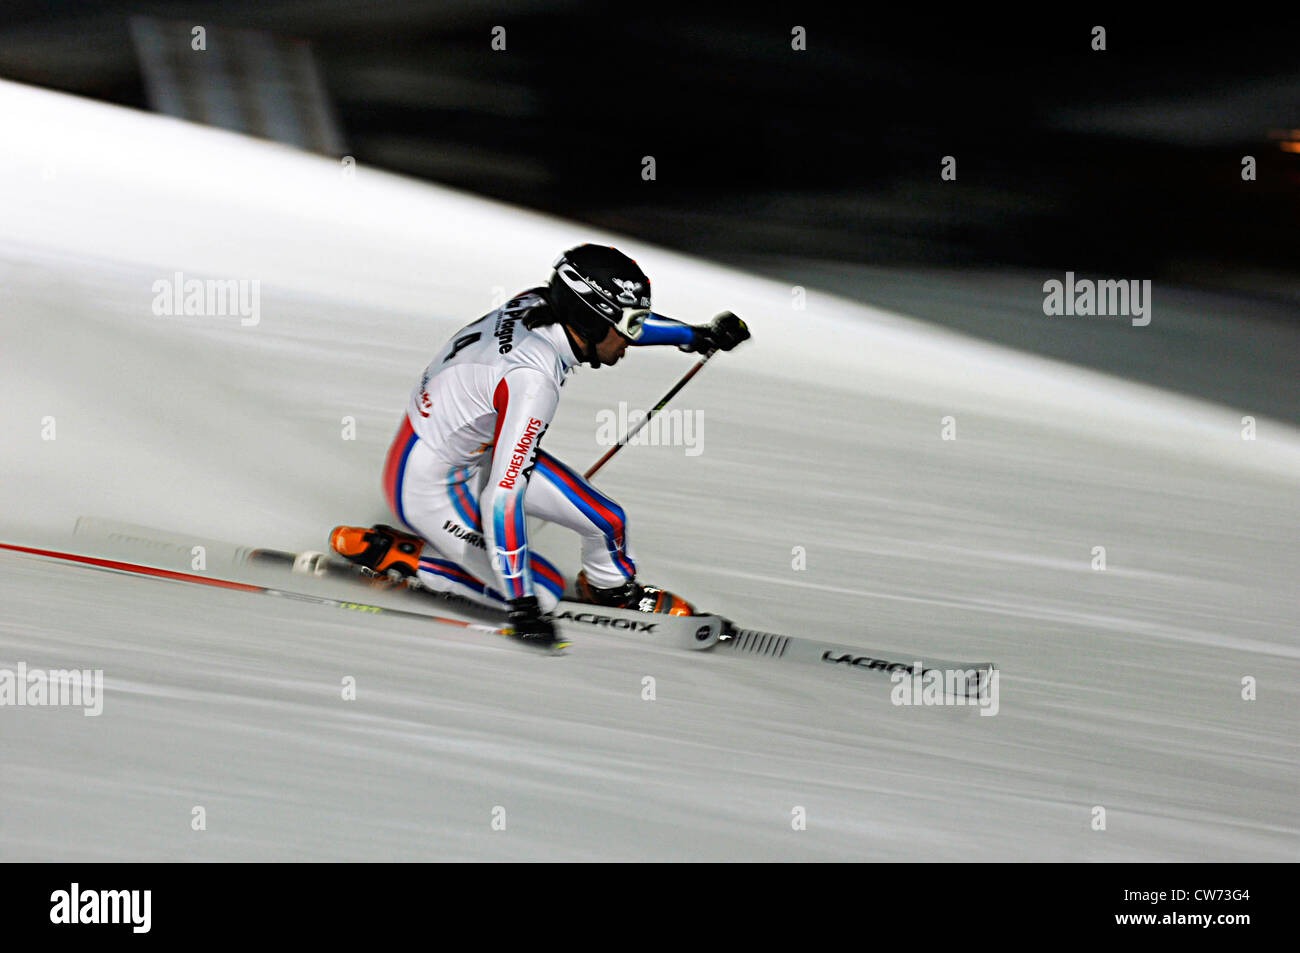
468	448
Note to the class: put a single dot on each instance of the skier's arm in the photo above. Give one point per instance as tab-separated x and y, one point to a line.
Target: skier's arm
525	402
722	334
656	329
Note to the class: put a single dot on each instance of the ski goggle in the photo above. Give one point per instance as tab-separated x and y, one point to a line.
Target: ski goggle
632	322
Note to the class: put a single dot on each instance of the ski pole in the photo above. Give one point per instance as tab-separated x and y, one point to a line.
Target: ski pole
646	419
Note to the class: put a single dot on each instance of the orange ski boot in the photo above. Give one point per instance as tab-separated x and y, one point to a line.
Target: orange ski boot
632	595
381	549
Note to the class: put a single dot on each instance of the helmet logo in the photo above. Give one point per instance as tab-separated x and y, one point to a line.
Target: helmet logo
573	279
628	295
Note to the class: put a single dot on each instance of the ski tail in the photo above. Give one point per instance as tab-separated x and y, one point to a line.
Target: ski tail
964	679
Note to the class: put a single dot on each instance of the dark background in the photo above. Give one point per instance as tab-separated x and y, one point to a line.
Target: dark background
1125	161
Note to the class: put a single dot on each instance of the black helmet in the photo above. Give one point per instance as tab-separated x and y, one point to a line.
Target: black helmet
595	287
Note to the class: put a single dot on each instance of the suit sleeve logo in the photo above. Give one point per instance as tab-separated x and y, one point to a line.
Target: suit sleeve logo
525	452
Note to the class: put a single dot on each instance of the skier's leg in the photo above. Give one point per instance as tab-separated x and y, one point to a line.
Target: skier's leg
395	467
608	576
446	575
441	504
558	494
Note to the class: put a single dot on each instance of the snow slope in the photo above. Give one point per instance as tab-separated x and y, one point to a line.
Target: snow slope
1120	688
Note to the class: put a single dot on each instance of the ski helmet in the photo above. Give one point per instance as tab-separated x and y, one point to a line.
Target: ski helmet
595	287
